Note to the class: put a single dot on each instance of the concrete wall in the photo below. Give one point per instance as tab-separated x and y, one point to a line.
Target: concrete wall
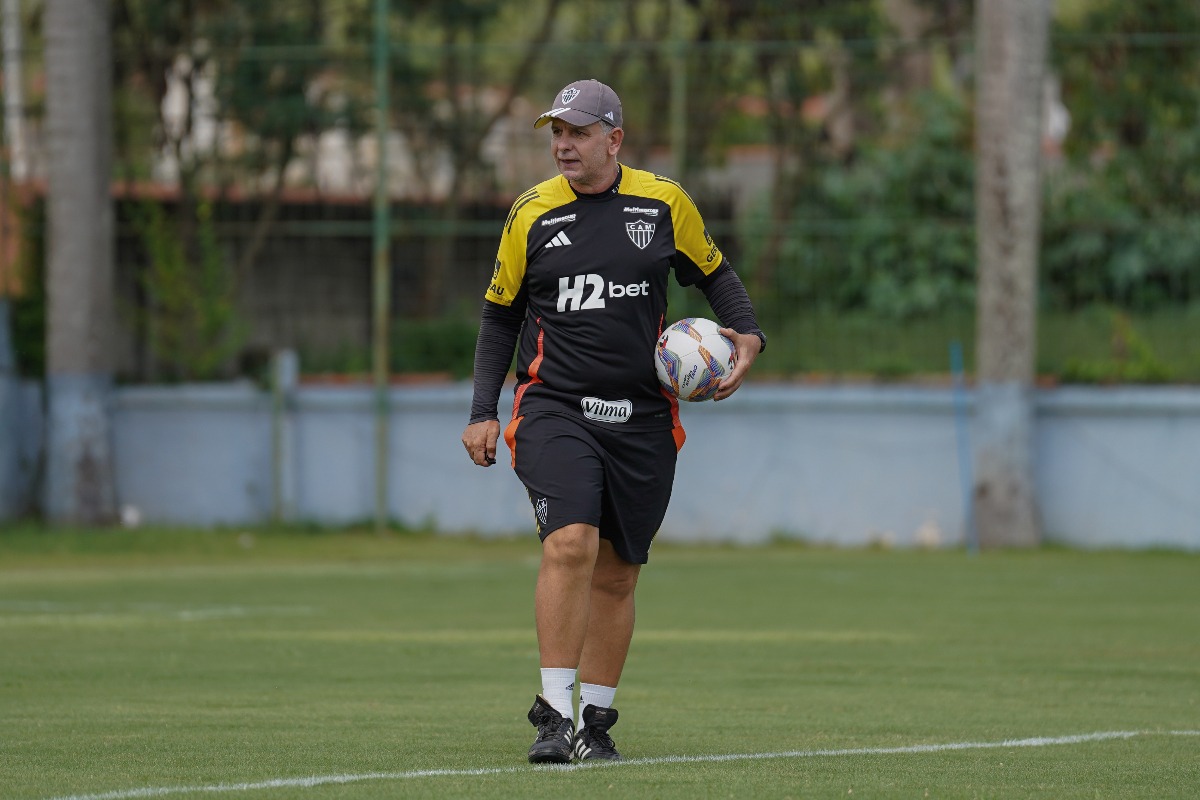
1120	467
844	465
22	431
196	454
21	428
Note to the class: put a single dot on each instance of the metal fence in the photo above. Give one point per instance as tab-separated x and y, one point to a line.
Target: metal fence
831	154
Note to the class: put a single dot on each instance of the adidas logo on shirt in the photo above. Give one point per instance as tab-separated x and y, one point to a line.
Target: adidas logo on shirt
560	240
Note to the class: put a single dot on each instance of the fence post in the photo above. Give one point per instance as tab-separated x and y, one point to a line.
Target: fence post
285	374
381	273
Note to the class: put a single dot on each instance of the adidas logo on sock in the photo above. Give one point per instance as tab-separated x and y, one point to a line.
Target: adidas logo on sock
560	240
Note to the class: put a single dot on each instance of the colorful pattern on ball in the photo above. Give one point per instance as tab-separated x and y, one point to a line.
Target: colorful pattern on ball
692	357
688	326
711	377
670	364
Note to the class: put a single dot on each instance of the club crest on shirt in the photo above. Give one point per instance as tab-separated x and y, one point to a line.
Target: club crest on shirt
640	233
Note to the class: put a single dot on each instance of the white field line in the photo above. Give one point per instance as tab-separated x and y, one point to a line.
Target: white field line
327	780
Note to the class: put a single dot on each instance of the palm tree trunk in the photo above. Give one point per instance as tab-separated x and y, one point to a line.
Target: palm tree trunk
1011	58
80	485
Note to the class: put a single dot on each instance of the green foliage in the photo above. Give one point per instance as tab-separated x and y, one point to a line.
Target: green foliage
190	318
439	347
1125	231
891	232
1106	344
826	342
257	72
435	346
1119	224
877	225
1093	344
1131	359
1128	68
277	94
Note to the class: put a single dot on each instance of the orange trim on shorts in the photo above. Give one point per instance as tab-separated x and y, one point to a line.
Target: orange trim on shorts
676	424
680	437
510	437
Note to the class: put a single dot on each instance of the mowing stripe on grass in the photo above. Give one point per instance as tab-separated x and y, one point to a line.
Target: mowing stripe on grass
327	780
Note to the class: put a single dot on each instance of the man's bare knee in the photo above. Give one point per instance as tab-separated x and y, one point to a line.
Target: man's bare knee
571	546
615	580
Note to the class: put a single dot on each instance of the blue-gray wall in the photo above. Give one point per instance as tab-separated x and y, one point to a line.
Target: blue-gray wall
21	428
844	465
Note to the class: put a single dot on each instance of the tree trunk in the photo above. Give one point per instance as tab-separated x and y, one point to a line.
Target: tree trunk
79	269
1011	55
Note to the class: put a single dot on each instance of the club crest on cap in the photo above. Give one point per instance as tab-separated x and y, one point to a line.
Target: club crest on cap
584	102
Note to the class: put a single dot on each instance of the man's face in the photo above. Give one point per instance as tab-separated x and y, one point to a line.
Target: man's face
585	156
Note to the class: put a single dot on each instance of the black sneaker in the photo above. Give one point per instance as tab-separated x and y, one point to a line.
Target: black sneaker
593	741
555	732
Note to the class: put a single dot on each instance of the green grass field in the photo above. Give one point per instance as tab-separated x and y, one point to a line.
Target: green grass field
345	665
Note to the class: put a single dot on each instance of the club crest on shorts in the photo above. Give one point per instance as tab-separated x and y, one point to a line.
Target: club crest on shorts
541	508
640	233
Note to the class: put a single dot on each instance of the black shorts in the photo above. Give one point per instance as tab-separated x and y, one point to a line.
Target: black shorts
618	481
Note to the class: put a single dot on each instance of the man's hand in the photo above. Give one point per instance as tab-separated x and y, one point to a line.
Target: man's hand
747	346
480	440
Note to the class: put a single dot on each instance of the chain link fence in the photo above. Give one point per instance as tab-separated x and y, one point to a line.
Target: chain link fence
829	149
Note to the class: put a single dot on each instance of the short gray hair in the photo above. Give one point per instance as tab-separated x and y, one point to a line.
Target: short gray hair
606	127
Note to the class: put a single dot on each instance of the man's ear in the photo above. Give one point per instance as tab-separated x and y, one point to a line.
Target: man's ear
614	140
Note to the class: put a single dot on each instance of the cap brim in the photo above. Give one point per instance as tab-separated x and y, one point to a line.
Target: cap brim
571	116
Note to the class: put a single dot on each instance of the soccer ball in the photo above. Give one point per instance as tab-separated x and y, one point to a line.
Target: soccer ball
692	357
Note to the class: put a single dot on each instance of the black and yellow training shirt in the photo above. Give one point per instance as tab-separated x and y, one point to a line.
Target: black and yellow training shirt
587	276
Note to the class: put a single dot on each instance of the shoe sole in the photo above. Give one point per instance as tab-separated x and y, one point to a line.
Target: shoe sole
549	758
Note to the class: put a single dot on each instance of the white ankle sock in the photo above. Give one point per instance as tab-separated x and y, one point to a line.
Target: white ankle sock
558	687
591	694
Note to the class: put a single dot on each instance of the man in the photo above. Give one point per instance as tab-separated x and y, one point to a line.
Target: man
580	290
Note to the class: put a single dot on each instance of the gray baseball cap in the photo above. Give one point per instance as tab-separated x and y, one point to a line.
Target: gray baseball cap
582	103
